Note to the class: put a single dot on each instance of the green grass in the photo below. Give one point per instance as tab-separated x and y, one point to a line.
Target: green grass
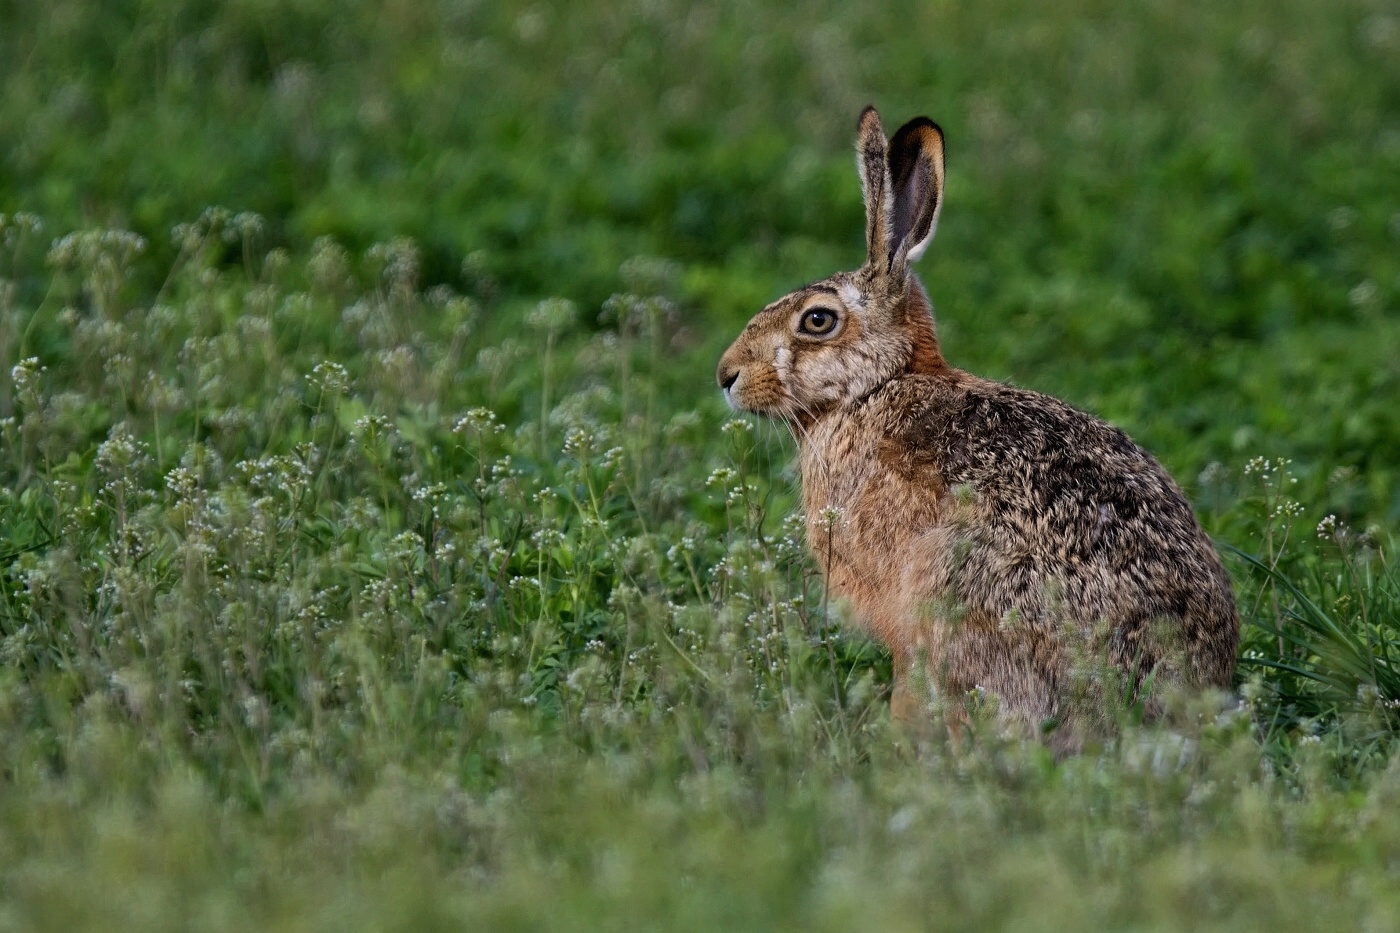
375	550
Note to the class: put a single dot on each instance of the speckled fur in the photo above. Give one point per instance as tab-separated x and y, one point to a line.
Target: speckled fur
992	537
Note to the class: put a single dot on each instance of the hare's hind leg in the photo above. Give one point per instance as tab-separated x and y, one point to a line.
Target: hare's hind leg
909	693
917	702
1008	674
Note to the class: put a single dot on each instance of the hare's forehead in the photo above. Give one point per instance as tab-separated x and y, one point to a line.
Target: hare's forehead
839	291
850	295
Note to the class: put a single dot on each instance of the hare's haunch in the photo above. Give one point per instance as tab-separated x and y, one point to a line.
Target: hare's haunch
992	537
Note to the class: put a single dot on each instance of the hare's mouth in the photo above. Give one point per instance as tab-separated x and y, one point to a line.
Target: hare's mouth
737	401
779	408
741	395
727	387
757	390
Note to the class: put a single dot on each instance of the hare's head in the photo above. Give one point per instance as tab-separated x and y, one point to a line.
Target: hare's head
835	341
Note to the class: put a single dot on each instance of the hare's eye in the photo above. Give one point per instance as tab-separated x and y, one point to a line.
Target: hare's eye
818	322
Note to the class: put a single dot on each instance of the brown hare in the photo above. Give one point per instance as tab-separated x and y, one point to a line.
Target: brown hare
997	540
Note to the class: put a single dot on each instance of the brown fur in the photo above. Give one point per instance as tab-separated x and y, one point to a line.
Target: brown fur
994	538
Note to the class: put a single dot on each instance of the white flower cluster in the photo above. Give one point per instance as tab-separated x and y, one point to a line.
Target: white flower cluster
245	225
121	453
492	551
1214	474
1265	467
1364	294
721	478
678	552
400	261
1369	696
405	546
329	265
371	427
330	378
578	443
553	315
181	482
623	595
736	426
283	473
87	248
790	541
19	224
25	376
497	361
546	538
479	421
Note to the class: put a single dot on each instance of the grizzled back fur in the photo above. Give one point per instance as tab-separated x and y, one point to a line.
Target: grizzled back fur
996	540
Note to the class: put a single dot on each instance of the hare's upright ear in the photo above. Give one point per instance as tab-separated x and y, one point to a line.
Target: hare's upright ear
872	157
916	171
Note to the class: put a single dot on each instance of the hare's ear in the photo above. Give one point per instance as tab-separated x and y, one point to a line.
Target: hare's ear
916	173
872	158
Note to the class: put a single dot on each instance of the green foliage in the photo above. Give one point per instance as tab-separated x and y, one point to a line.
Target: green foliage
350	581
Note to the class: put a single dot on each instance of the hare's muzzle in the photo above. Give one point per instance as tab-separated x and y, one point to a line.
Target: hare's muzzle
728	372
727	375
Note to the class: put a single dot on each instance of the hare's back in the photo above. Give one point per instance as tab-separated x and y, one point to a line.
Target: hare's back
1031	456
1071	517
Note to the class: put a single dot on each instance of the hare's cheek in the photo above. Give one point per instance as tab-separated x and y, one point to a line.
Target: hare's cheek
782	364
824	374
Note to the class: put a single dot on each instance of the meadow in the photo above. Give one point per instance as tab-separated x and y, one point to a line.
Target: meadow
377	552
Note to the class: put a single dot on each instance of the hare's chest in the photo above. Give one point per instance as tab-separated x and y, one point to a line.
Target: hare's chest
864	517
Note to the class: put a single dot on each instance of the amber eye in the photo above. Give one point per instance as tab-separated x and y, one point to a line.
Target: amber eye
818	322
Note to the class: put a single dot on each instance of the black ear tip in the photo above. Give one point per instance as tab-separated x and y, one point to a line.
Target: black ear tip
919	123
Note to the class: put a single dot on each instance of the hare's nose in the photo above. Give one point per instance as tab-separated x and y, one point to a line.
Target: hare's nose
728	376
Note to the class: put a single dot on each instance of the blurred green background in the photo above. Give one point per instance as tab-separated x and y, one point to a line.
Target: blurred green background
295	633
1182	215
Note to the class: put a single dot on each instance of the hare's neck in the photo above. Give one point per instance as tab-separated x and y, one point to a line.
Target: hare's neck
835	454
925	355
